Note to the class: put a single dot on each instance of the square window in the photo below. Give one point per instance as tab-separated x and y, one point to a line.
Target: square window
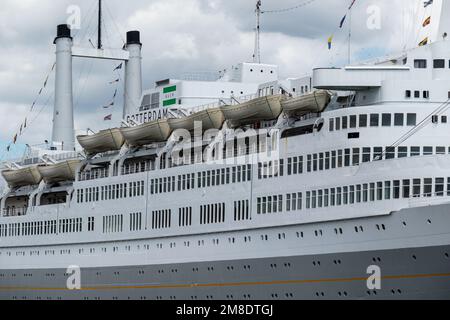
411	119
444	119
353	120
363	120
420	64
399	119
408	93
374	120
344	123
386	119
439	64
416	94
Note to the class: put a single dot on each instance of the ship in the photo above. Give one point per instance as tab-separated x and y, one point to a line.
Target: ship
333	186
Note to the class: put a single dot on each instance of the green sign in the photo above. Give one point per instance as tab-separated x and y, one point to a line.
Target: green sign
170	89
169	102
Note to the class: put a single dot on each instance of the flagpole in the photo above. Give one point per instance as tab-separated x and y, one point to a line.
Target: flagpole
349	36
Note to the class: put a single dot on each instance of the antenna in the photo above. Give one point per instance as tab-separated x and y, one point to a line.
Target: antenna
257	53
99	38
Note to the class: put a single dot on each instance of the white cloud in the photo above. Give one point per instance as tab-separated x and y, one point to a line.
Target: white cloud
178	36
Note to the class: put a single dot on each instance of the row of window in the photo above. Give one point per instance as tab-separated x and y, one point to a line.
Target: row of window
205	179
161	219
377	191
270	204
136	221
425	94
212	213
113	224
355	156
70	225
242	210
275	168
372	120
111	192
185	217
423	63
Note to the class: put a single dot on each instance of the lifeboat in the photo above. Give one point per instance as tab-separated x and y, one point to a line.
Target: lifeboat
259	109
105	140
210	119
28	176
147	133
62	171
314	102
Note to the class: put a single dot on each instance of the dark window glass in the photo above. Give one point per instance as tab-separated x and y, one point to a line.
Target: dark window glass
427	151
338	124
344	122
363	120
366	155
390	152
352	121
355	159
331	124
415	151
411	119
374	120
439	64
420	63
440	150
426	94
444	119
399	119
386	119
402	152
347	158
416	94
378	153
408	93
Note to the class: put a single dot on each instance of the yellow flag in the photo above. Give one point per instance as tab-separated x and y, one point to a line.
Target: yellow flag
424	42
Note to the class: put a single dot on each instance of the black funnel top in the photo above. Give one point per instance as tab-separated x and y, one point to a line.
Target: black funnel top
63	31
134	37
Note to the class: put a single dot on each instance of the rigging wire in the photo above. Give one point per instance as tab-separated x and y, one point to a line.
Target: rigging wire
421	125
298	6
119	30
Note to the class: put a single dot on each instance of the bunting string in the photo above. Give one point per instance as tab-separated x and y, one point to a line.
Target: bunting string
114	96
341	24
303	4
24	123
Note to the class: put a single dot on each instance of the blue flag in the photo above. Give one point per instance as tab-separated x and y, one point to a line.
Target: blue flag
342	21
427	3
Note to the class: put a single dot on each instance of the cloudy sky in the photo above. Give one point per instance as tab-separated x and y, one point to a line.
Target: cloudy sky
179	36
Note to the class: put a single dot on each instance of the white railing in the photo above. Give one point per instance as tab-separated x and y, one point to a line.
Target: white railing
138	167
15	212
222	102
93	174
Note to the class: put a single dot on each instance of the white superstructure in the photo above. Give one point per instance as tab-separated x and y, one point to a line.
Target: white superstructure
264	189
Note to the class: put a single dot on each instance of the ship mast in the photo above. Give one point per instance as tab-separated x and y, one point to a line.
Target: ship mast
257	52
99	36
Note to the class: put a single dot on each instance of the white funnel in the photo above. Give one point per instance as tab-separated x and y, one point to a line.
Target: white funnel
133	74
63	136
